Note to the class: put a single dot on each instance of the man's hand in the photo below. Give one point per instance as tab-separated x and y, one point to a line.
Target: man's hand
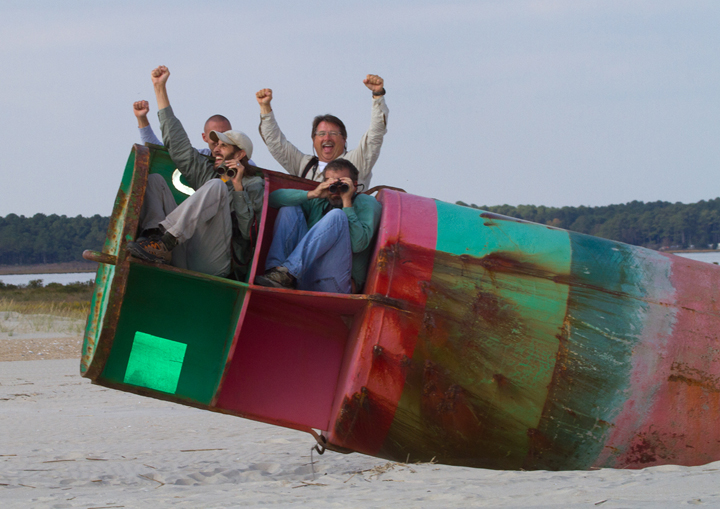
160	75
141	109
264	97
347	195
237	179
374	83
321	191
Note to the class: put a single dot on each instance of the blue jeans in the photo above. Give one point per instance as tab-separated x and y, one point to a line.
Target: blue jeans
319	258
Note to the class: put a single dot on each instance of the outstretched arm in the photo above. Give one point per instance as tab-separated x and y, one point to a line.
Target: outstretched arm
367	152
141	109
264	97
196	168
284	152
160	76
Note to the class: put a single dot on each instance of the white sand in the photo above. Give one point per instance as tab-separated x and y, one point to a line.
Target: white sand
66	443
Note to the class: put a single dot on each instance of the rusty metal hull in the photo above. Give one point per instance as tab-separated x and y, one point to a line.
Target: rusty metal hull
480	340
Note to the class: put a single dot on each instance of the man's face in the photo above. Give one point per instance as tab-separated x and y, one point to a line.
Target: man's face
220	127
223	152
328	142
332	175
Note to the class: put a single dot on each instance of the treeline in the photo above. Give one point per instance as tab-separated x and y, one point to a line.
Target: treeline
657	225
49	239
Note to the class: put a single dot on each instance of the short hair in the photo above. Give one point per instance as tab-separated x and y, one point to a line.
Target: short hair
343	164
332	119
218	119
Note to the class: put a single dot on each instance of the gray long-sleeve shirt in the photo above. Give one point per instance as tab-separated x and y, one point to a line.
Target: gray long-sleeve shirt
364	156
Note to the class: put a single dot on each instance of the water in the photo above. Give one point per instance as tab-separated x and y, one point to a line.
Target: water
709	257
72	277
62	278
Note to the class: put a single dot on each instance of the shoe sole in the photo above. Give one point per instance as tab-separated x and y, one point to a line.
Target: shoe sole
138	252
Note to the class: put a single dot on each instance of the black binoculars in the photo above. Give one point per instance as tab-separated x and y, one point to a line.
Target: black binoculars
224	170
338	187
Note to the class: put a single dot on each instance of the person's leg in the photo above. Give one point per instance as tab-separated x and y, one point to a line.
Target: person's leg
322	260
158	202
203	225
290	227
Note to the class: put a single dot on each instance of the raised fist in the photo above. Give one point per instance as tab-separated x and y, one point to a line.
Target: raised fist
264	96
160	75
374	83
141	108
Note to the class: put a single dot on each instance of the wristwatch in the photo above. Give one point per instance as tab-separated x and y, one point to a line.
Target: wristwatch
378	94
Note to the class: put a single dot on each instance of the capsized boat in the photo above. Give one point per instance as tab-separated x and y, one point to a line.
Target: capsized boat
479	340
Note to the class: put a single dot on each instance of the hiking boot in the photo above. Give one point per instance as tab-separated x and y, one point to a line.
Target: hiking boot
150	249
279	277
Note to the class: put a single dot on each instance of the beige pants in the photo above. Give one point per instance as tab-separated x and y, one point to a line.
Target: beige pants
201	224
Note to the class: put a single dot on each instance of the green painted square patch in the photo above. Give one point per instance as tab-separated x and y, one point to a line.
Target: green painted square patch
155	363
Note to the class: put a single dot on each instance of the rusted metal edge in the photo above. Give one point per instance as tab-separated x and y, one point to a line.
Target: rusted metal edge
96	256
136	195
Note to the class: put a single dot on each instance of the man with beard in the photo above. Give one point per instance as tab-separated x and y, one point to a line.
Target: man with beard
210	231
329	138
323	238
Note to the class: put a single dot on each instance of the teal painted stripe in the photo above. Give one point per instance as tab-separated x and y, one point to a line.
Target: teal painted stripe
605	322
474	232
498	296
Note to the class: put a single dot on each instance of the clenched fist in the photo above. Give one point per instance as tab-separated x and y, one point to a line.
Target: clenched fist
160	75
374	83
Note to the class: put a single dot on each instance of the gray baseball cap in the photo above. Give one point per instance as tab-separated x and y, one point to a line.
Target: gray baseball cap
236	138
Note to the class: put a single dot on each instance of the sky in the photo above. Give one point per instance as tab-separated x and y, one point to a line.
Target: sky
544	102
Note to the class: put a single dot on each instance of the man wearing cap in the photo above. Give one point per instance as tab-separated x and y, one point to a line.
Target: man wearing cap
329	138
210	231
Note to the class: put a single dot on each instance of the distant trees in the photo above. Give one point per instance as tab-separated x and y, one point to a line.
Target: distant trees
657	225
49	239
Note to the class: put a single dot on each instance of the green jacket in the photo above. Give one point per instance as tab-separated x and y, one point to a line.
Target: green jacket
246	205
363	219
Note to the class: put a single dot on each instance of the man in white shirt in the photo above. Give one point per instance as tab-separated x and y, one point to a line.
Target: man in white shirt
329	138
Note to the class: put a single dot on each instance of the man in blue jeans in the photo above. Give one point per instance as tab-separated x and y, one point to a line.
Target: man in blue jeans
323	238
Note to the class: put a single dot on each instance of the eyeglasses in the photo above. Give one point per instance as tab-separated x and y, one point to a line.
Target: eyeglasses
329	133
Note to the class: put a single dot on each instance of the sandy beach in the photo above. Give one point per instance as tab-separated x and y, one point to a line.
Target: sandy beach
66	443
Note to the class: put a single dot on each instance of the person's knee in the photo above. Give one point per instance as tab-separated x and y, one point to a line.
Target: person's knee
215	185
336	216
155	180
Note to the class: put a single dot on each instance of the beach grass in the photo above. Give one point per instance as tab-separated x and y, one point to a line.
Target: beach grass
50	308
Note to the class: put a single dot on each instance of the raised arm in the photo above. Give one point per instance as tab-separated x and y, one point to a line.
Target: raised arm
160	76
141	109
284	152
264	97
367	152
196	168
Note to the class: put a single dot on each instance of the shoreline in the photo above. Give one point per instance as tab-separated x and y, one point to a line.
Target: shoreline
49	268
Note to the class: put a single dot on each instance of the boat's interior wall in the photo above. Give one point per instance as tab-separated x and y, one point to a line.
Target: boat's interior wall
290	347
174	332
287	357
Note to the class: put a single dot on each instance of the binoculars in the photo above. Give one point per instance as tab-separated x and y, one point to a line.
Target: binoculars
338	187
224	170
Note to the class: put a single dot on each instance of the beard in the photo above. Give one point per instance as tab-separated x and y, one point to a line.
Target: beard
336	201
